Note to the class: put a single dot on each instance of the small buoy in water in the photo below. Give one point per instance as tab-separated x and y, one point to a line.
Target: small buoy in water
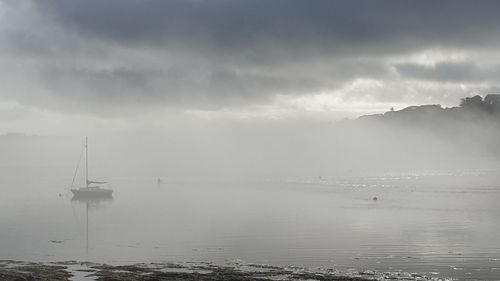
374	198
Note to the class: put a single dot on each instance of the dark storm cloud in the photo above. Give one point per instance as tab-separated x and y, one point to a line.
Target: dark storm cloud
198	54
245	24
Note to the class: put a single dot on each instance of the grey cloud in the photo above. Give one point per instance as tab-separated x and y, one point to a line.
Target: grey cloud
459	72
105	84
222	53
217	87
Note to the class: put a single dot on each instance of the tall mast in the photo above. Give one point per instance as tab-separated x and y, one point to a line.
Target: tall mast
87	229
86	162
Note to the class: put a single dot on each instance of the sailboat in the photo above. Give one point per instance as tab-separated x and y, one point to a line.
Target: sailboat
92	188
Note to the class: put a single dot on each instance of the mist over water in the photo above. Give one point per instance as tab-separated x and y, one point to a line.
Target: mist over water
273	193
253	150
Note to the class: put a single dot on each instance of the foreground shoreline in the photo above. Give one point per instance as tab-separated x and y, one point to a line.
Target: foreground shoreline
11	270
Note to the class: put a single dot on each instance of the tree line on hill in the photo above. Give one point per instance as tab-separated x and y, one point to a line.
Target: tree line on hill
471	109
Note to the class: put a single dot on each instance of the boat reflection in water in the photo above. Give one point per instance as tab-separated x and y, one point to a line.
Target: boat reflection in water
91	201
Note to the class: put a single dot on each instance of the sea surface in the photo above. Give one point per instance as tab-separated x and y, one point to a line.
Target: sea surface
443	224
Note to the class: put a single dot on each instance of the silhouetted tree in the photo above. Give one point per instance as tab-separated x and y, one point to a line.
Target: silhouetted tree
475	101
493	99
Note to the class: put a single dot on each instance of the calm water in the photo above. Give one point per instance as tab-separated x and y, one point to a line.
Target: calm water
446	224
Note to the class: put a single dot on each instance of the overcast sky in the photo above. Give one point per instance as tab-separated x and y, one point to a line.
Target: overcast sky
67	64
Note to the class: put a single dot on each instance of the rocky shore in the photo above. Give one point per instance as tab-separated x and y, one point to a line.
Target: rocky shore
79	271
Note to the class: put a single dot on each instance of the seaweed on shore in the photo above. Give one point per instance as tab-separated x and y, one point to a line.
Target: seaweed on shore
63	271
208	273
18	271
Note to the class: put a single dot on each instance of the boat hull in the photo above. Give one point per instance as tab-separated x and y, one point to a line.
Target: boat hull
92	192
